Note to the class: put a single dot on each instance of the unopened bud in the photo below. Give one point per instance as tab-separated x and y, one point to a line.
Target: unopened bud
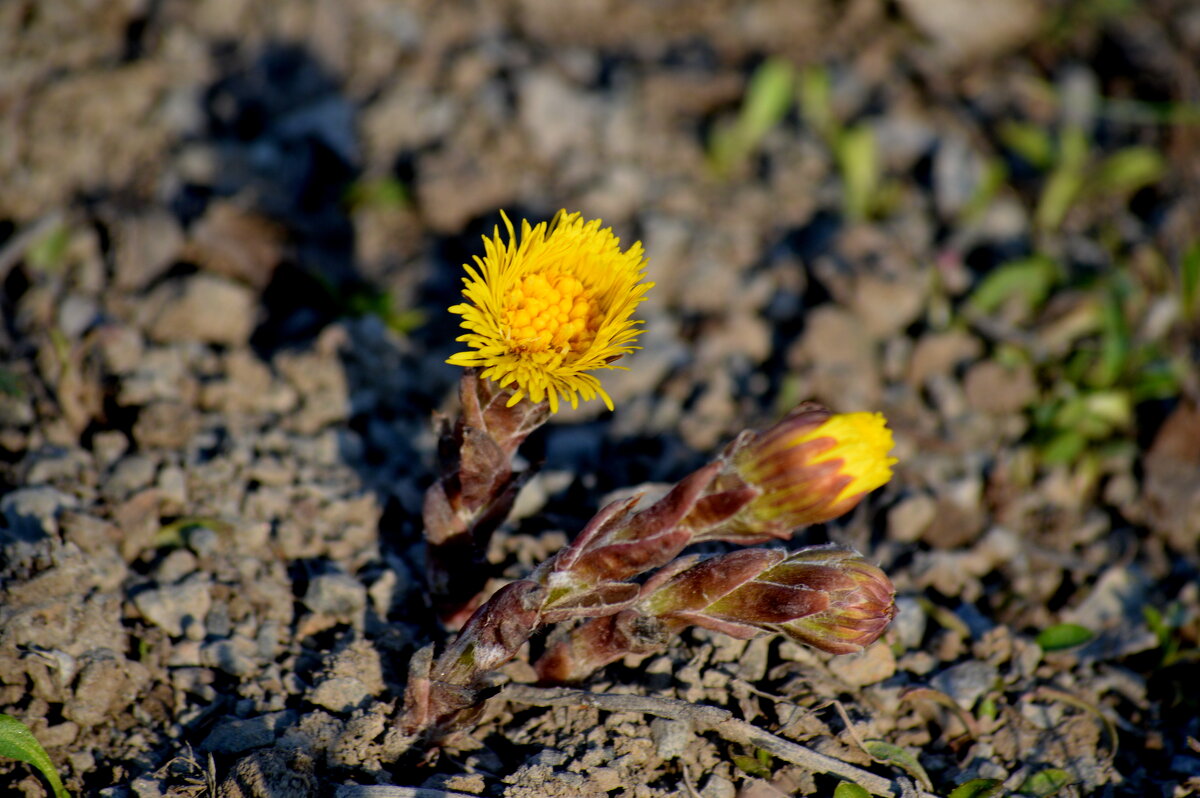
810	467
828	597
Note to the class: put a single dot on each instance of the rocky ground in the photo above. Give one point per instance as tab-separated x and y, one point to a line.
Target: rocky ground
229	231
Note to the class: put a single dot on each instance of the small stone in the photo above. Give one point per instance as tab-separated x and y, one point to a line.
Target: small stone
167	425
169	606
339	694
885	306
339	595
354	674
202	307
32	513
717	786
967	682
606	779
147	787
236	656
871	666
671	737
909	519
106	685
120	348
939	353
202	540
175	566
146	244
172	488
1116	599
842	357
108	446
993	388
963	30
237	735
908	626
130	474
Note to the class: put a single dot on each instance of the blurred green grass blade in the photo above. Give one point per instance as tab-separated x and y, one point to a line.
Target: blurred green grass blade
380	192
751	766
1030	278
1065	183
47	253
1032	143
848	789
1189	281
978	788
17	742
1062	636
1058	195
1128	170
858	162
1045	783
1063	448
889	754
10	384
768	98
816	101
1115	343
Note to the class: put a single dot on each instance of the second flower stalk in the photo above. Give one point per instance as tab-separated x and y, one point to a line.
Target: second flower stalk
809	467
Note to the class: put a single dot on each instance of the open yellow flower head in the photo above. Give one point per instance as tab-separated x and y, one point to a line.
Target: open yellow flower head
810	467
545	311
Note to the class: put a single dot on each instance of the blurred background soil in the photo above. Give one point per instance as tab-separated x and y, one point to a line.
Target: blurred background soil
229	231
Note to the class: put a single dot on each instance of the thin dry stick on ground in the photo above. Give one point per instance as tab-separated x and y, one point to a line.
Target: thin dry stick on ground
706	718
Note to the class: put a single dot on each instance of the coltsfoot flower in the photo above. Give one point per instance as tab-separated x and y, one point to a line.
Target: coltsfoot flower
810	467
545	311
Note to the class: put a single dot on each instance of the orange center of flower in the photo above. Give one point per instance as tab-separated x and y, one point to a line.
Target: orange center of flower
551	310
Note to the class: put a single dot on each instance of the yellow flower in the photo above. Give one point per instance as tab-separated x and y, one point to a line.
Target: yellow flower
543	313
810	467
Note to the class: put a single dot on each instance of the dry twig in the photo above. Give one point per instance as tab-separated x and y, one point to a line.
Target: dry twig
706	718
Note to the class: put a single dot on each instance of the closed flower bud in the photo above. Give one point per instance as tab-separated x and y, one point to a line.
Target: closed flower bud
810	467
828	597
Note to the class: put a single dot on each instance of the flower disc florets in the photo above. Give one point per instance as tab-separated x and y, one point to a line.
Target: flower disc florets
544	311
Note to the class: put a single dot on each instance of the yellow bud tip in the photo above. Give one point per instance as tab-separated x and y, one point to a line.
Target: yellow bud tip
863	442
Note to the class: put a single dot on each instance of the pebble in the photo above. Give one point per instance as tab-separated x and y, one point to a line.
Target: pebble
32	513
908	627
106	684
130	474
1117	598
166	425
203	540
202	307
168	607
873	665
717	786
842	355
146	244
108	446
339	595
237	735
997	389
176	565
236	656
908	519
887	305
967	682
671	737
